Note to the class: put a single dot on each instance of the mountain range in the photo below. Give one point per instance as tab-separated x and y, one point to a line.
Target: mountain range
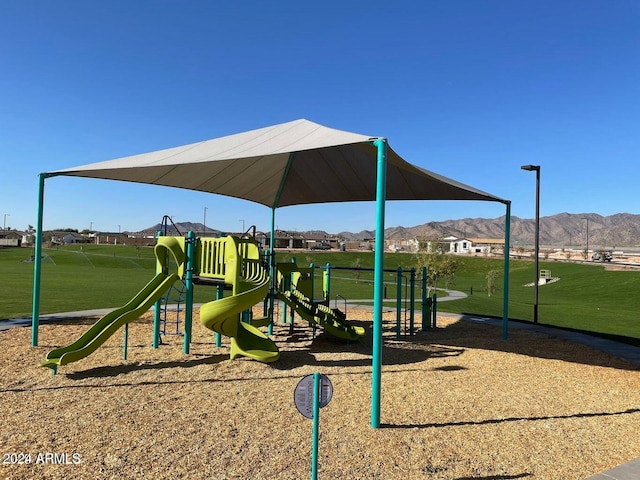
563	229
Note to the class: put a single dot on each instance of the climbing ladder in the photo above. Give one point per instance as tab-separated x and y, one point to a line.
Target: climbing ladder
172	302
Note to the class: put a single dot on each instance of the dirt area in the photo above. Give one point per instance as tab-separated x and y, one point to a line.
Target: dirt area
457	403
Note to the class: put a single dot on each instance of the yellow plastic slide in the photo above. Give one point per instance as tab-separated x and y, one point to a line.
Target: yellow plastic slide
250	285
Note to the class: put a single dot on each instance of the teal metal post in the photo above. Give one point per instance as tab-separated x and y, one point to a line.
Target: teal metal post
316	426
378	288
425	315
126	341
313	289
272	267
188	307
156	310
398	301
219	295
434	311
287	284
505	304
412	300
37	264
327	284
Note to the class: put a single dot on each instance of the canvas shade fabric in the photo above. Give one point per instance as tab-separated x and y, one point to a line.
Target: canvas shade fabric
293	163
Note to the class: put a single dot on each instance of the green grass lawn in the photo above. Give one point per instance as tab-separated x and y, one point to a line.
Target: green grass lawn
97	276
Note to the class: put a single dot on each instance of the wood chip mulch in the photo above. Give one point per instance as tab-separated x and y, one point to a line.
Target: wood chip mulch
458	403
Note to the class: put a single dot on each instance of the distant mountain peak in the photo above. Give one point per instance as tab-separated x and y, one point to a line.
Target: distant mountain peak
562	229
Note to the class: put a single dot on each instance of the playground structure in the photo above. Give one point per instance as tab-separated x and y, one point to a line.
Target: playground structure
307	163
228	263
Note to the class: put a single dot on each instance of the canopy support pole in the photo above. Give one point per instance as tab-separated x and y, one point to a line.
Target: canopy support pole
272	263
37	263
376	373
272	271
507	247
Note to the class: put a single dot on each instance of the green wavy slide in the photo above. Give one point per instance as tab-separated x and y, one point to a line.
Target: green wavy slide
111	322
331	320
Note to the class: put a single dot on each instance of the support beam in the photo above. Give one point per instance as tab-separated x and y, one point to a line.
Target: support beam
190	255
37	264
381	193
507	247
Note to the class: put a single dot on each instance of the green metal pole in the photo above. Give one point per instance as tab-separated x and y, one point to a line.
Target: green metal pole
219	295
316	426
434	311
272	268
37	264
412	301
156	308
424	299
505	305
188	307
378	289
126	341
398	301
327	284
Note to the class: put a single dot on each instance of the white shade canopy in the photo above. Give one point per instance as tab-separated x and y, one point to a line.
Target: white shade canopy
293	163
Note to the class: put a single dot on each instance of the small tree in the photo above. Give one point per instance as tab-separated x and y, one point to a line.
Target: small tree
492	277
439	266
356	273
31	235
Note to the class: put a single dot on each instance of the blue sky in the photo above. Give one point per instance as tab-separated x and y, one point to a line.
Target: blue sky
470	89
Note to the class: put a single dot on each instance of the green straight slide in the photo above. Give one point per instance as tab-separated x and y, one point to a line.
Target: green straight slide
111	322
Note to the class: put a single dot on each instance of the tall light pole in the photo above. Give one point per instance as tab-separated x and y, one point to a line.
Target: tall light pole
536	253
242	220
4	223
586	252
204	222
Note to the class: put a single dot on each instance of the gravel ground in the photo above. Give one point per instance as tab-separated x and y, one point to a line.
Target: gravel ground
457	403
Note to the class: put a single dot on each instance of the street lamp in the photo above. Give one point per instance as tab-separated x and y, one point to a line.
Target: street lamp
4	223
536	253
204	222
586	251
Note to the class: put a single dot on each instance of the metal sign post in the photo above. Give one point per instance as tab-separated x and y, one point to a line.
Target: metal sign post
312	393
